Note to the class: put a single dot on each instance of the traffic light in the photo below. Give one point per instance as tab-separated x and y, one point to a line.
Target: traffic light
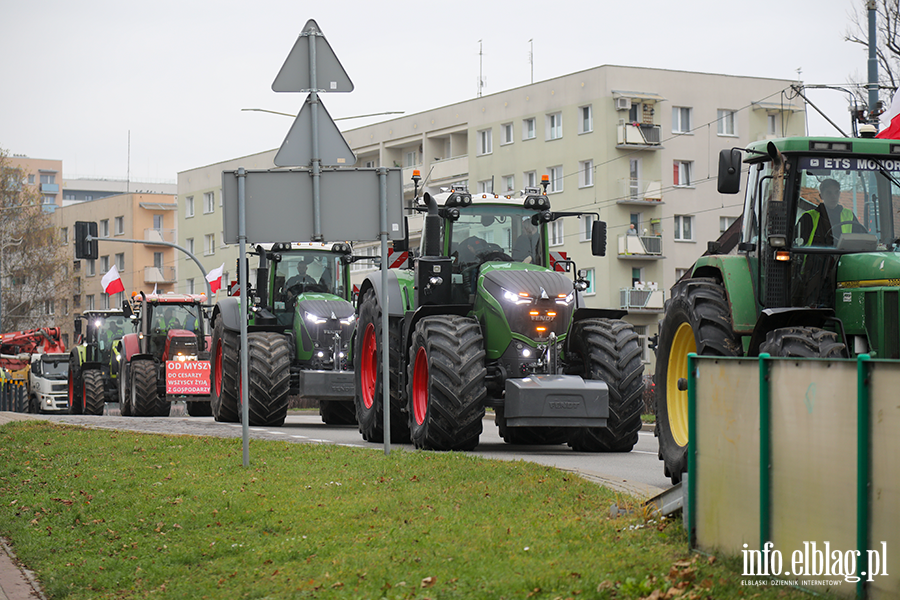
83	247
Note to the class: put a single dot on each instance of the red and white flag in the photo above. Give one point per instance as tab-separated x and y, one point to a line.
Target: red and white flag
112	283
892	131
214	278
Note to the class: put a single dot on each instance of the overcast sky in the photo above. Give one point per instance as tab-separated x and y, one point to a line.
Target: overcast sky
80	75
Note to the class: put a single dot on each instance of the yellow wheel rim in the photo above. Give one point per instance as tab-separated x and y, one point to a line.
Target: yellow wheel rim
677	401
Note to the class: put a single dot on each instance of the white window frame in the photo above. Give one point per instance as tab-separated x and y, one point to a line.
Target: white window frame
104	263
89	302
506	134
91	268
589	276
529	129
680	114
585	119
485	142
64	235
556	233
411	160
726	122
120	261
119	225
190	245
486	186
679	273
209	244
556	179
190	285
48	306
104	228
641	331
188	207
586	173
685	173
554	126
587	223
530	179
509	183
209	203
725	223
222	243
679	222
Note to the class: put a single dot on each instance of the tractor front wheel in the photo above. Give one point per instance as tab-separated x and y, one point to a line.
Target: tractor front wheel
144	402
94	394
124	391
270	378
803	342
225	374
446	388
76	392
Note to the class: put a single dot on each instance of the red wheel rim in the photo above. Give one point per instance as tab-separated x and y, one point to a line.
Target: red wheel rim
83	397
420	386
71	390
369	366
217	371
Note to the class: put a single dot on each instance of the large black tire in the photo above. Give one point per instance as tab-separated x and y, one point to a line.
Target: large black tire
270	378
608	350
529	436
697	319
76	390
144	402
803	342
337	412
198	408
124	384
367	365
225	374
445	383
94	394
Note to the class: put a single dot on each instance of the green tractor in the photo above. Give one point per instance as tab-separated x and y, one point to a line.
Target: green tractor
92	362
300	326
813	269
484	321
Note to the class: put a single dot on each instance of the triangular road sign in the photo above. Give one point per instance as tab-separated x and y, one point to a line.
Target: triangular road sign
294	75
296	149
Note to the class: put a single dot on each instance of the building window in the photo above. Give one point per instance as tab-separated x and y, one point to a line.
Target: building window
586	173
587	224
679	273
589	277
637	275
49	179
556	232
641	331
89	302
681	173
726	122
725	223
190	245
554	126
104	228
120	261
76	301
65	306
91	267
528	129
556	179
48	307
64	235
507	132
209	202
120	225
31	179
484	142
49	199
681	119
486	186
530	179
771	124
104	301
190	286
411	159
585	120
189	206
158	260
684	229
104	264
509	183
209	244
70	197
88	197
222	239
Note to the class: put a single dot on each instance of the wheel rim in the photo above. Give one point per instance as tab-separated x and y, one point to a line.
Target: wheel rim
71	389
217	371
420	385
84	397
676	400
369	365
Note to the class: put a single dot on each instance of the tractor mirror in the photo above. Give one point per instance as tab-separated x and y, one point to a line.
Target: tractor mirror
598	238
729	181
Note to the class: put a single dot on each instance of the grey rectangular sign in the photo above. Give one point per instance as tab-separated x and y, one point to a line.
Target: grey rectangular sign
279	205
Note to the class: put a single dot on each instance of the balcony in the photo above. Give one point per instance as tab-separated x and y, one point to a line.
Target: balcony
439	171
49	188
154	236
638	135
644	297
159	274
640	247
640	192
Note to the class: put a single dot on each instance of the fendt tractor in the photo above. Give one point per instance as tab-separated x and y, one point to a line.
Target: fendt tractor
168	329
484	321
38	358
92	378
816	272
300	324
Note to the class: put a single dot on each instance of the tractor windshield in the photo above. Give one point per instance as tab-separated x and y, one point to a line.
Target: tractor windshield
106	330
165	317
306	272
491	232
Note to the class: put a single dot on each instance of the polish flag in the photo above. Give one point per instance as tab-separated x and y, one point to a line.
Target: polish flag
112	283
892	132
214	278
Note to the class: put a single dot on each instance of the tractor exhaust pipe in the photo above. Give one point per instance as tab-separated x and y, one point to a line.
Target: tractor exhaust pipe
431	230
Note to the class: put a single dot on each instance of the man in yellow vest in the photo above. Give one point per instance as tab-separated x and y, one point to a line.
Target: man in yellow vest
822	225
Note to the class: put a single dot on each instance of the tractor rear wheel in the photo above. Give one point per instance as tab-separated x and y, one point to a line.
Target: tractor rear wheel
270	378
144	402
610	353
803	342
697	319
225	374
76	391
94	394
446	388
337	412
368	362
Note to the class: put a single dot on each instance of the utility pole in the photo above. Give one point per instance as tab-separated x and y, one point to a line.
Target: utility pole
873	64
480	77
531	57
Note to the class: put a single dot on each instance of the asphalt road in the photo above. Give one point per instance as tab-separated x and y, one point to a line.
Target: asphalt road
638	472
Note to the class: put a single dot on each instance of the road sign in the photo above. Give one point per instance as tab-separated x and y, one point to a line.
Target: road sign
294	75
296	149
279	205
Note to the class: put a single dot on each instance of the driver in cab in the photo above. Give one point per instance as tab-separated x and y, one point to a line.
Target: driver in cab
822	225
299	282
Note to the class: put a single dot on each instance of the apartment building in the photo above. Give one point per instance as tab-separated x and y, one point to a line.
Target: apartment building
42	173
635	147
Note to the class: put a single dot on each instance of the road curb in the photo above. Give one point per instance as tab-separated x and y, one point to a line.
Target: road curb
16	582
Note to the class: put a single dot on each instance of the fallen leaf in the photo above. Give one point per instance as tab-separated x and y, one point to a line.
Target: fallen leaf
429	582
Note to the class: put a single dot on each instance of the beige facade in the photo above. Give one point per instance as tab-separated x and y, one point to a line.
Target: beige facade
44	174
630	145
142	266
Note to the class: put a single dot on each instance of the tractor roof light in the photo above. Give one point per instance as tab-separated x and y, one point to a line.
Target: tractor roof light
341	248
458	199
416	176
537	202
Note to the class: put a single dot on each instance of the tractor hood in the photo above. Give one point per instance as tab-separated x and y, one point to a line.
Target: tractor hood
324	325
870	269
324	306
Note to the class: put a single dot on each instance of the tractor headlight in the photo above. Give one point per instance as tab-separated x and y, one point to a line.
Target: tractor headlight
315	320
566	299
520	298
348	320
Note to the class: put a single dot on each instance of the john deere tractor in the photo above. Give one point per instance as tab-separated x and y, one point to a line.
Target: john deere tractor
483	321
92	366
299	331
815	271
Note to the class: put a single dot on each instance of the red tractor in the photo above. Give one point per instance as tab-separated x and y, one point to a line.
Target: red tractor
167	359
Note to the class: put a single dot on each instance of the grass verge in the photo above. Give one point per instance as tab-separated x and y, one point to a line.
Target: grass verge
108	514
